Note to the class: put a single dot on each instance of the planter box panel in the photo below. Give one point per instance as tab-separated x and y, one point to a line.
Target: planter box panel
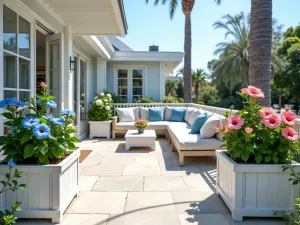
50	188
100	129
254	193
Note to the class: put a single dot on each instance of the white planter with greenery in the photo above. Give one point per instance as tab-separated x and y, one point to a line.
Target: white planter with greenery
251	190
39	146
100	129
257	177
100	115
50	189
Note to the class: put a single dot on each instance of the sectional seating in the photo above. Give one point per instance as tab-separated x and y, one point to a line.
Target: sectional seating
188	134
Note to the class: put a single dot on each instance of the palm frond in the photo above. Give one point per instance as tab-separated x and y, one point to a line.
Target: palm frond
172	8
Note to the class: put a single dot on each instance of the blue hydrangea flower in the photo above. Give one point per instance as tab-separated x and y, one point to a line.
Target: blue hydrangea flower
41	131
11	162
38	101
30	122
57	121
51	104
67	112
11	102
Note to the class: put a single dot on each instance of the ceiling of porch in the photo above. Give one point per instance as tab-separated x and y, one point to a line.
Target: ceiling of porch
90	17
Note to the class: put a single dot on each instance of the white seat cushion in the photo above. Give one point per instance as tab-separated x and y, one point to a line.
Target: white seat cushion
181	133
157	125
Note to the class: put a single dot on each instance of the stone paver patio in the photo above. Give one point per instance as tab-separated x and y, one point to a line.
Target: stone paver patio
144	187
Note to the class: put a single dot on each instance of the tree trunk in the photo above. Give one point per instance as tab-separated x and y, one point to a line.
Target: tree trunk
260	47
187	74
197	92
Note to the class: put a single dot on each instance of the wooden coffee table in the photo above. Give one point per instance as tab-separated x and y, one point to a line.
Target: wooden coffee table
135	139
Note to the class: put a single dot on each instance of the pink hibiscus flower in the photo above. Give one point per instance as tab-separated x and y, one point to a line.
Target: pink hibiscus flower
272	121
289	133
255	92
266	111
234	122
227	130
248	130
244	90
289	118
219	128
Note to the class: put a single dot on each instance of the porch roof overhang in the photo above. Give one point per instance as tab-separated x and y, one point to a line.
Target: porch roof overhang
170	60
89	17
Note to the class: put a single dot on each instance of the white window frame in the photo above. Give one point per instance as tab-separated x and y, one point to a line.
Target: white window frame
130	68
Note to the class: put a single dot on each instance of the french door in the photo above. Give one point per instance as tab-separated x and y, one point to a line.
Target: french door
80	100
129	83
54	52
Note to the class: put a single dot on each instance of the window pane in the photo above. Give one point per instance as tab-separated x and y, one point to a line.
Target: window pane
9	29
24	74
122	73
137	82
122	91
137	91
122	82
137	73
10	71
10	94
24	96
24	37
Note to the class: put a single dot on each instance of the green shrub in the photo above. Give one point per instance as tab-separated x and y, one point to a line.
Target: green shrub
172	99
294	217
102	108
144	100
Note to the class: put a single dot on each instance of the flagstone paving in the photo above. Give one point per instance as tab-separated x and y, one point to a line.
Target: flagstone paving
144	187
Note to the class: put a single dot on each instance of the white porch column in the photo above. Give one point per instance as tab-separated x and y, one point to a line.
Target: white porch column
162	80
68	90
101	74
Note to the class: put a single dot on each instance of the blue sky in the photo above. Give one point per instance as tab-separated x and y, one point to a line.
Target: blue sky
150	25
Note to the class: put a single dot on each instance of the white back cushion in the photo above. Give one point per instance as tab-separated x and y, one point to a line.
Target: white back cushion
125	114
194	116
144	113
188	113
208	130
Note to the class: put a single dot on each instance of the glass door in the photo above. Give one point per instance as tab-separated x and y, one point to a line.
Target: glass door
54	70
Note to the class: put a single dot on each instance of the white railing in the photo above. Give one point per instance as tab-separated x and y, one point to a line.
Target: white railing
297	126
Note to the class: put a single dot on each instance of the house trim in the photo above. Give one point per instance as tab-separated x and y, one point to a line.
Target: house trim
147	56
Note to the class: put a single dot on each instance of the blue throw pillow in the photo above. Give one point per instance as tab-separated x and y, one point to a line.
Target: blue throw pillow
156	114
177	115
198	123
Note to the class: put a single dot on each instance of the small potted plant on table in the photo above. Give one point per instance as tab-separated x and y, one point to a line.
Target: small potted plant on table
250	175
40	145
100	115
141	125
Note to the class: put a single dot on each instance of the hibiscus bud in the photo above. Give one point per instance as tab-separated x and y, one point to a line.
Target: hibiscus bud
43	84
232	107
248	130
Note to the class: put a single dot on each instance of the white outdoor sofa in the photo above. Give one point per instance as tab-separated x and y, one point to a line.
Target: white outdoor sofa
178	133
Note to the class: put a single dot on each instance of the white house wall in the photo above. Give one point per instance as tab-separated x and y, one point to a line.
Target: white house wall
152	79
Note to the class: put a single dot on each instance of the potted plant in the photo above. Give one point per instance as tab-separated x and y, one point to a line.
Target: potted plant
40	144
141	125
259	141
100	115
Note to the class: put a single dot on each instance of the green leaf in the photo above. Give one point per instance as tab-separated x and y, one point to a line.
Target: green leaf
268	158
245	156
295	182
55	151
8	115
258	157
29	151
250	148
275	159
26	137
43	120
42	149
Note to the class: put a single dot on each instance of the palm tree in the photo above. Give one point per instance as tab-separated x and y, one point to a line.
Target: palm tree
232	67
170	87
198	78
261	47
187	7
180	71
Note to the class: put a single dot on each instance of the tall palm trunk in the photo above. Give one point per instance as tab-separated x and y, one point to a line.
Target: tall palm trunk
187	74
197	92
260	47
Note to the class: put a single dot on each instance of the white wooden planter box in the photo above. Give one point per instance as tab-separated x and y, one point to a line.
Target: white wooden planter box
254	190
100	129
50	189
